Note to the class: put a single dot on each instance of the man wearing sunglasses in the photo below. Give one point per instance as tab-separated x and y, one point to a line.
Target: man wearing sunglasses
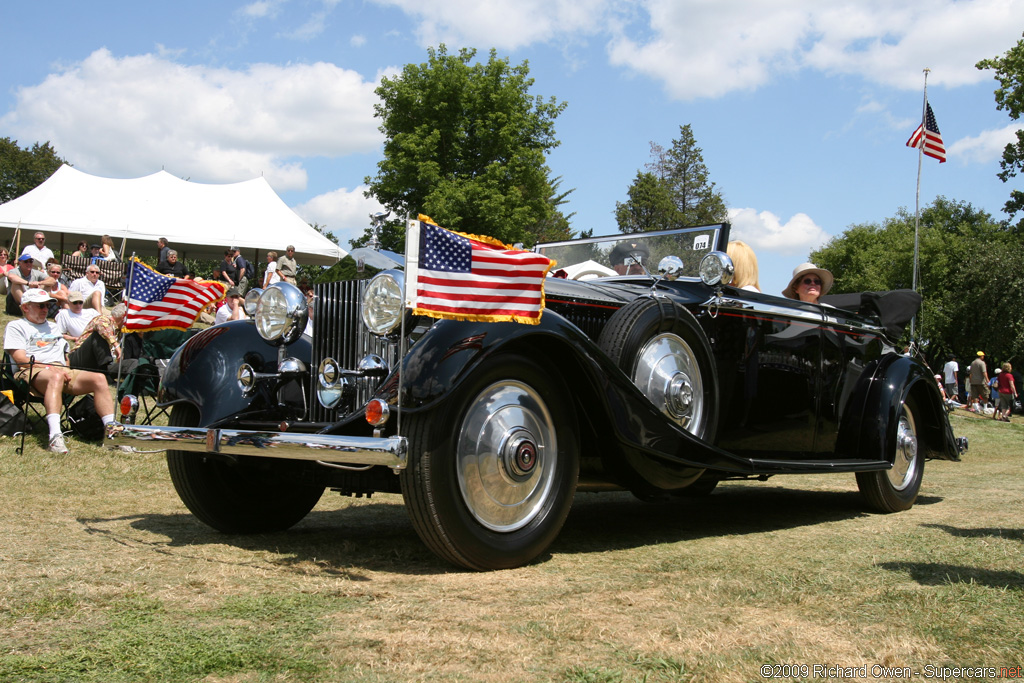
22	278
92	288
38	250
40	353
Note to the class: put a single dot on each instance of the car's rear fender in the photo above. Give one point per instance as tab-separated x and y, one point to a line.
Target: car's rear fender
873	410
203	371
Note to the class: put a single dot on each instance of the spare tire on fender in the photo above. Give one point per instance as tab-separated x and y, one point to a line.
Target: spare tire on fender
661	347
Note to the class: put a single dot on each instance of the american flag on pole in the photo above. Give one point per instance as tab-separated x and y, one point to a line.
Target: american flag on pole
469	277
928	135
157	301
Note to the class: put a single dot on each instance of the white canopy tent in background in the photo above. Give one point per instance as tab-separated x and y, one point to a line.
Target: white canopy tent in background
199	220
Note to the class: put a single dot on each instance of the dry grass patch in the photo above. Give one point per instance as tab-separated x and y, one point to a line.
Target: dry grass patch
108	578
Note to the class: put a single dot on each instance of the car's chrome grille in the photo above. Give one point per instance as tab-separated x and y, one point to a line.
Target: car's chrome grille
338	333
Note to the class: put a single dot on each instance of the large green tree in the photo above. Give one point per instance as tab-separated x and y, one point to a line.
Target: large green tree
971	275
674	192
22	170
466	144
1009	71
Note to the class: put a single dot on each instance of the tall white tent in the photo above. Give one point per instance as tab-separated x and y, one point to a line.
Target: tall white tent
199	220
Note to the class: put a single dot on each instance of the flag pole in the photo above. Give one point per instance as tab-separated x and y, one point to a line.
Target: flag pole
917	199
124	330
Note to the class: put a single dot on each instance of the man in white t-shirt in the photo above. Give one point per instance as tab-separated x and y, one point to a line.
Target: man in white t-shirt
40	353
72	320
92	288
38	250
949	371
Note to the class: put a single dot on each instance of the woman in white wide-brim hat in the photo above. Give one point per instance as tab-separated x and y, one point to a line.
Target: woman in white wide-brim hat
809	282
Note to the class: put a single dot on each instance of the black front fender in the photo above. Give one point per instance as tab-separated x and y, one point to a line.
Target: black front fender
203	371
649	445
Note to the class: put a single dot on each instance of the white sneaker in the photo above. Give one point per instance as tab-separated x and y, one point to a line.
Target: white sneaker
57	444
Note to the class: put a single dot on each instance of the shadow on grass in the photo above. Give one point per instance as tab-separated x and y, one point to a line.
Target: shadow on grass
940	574
992	532
379	536
600	522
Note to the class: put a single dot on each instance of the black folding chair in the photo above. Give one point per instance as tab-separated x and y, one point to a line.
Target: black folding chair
144	380
27	401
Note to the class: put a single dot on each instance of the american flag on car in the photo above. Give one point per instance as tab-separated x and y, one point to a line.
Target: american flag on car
469	277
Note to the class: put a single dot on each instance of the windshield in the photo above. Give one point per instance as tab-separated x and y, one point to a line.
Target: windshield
630	254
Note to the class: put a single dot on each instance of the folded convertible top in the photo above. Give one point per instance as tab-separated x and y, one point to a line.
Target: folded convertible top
894	308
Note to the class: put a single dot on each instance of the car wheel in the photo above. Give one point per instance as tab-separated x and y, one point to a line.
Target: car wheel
896	489
662	348
492	473
235	499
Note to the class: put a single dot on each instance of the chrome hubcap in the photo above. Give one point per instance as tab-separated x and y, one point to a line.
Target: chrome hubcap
505	456
904	466
667	373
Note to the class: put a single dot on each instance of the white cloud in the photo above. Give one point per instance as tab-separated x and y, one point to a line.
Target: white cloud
344	212
131	116
765	231
986	147
503	24
262	9
700	48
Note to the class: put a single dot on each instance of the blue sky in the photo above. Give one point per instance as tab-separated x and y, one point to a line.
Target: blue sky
802	107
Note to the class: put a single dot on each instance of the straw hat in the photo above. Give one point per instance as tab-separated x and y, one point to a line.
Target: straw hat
805	269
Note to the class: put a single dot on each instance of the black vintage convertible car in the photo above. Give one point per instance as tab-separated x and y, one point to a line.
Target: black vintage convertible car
661	383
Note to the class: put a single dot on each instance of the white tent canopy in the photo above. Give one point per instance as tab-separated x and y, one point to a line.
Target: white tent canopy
199	220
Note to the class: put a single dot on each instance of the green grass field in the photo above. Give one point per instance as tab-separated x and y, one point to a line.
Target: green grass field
108	578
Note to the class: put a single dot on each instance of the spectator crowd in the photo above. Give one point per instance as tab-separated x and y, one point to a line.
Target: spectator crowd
68	336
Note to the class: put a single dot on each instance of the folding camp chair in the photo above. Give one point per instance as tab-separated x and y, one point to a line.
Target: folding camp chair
27	401
144	380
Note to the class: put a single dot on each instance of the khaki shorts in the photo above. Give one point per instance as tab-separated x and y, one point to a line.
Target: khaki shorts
22	376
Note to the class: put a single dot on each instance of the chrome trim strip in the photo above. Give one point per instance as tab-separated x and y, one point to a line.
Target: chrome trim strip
351	450
824	318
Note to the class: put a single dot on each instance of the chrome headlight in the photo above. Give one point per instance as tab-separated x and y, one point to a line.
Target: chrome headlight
252	298
281	313
716	269
384	302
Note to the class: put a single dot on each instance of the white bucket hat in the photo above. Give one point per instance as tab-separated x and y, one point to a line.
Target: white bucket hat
804	269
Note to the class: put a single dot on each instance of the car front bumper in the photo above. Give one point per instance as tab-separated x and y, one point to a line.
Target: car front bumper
329	448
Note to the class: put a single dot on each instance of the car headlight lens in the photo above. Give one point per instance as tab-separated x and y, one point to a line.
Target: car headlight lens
716	268
383	302
252	298
281	313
